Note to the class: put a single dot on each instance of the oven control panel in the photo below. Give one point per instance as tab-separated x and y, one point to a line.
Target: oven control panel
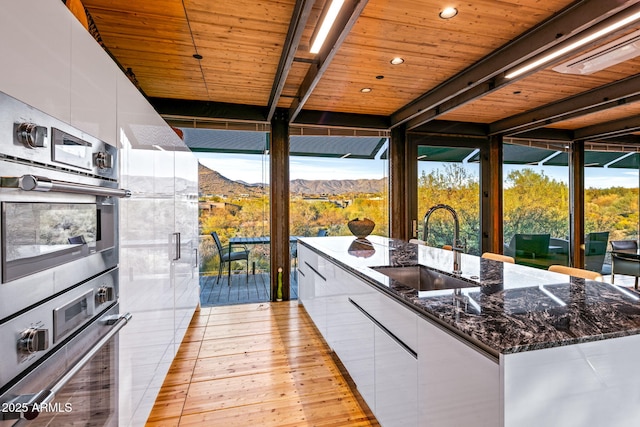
32	136
33	340
39	331
104	294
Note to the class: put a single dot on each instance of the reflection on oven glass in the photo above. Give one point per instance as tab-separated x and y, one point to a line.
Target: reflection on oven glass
34	229
90	398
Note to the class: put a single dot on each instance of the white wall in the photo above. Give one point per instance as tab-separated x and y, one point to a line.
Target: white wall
52	63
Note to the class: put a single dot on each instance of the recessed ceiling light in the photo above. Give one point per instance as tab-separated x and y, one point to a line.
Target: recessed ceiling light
365	90
397	61
448	12
197	56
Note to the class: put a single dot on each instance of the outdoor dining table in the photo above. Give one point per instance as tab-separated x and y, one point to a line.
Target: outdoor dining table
633	254
255	240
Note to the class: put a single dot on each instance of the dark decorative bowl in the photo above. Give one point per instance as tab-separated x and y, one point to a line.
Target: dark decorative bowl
361	248
361	228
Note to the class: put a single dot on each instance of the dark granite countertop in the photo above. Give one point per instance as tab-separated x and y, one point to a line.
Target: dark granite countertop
506	308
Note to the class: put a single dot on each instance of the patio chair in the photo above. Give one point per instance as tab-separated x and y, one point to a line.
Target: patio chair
576	272
620	264
227	257
77	240
498	257
595	248
529	249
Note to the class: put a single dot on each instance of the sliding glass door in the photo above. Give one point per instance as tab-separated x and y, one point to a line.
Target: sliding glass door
449	176
536	204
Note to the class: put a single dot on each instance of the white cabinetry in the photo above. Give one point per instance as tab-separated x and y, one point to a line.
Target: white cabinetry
312	288
458	385
396	370
93	86
374	336
409	370
52	63
159	280
352	335
36	55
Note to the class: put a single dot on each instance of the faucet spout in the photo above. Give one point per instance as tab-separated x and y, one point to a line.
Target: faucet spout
457	244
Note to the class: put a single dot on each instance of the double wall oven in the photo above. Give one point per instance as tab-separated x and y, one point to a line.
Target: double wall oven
59	312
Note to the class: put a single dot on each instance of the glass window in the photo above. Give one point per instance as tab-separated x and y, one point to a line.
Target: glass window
446	176
536	204
234	203
611	204
335	180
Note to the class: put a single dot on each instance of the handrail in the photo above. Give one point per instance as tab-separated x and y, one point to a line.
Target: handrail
41	183
46	395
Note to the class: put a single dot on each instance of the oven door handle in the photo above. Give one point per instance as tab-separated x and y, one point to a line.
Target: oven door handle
45	396
41	183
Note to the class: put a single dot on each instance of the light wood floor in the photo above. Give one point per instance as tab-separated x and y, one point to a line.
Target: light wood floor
256	365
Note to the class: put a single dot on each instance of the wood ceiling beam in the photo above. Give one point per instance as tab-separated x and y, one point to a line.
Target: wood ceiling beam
625	91
608	130
301	13
570	21
347	18
208	109
349	120
190	109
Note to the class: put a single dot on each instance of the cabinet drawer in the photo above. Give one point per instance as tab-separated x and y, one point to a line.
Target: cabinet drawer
397	319
307	259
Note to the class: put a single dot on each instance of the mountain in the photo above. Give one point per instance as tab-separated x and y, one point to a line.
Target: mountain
337	186
212	182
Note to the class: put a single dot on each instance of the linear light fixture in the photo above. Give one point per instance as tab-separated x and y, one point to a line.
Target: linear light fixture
619	50
573	45
329	16
344	156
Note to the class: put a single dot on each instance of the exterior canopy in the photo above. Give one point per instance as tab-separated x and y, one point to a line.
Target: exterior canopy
245	142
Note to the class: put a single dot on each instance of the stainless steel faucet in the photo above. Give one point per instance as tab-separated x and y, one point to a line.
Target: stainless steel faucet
457	246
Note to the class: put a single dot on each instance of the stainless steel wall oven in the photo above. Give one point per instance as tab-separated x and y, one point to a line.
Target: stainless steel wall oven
59	247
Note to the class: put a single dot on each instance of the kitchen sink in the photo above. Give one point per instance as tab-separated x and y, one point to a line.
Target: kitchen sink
423	278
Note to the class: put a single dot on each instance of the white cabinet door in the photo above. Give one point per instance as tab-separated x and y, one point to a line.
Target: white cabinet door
93	87
396	377
352	336
457	384
311	292
185	268
36	54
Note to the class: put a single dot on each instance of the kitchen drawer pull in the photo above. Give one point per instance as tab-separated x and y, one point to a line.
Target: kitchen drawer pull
316	271
385	330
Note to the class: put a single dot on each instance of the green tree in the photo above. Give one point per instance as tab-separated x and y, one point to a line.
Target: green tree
459	188
535	203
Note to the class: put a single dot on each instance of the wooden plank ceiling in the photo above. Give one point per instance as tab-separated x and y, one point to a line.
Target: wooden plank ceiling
255	57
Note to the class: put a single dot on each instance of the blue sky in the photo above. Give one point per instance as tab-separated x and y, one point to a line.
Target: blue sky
255	168
252	168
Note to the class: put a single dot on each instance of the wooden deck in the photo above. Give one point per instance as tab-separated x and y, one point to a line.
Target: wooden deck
259	364
241	291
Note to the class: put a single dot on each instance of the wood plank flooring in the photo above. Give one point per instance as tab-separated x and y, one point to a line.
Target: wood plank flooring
259	364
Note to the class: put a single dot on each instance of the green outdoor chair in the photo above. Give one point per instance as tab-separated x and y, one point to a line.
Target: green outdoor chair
227	257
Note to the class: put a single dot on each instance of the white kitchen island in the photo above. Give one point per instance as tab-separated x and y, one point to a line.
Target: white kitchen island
512	346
